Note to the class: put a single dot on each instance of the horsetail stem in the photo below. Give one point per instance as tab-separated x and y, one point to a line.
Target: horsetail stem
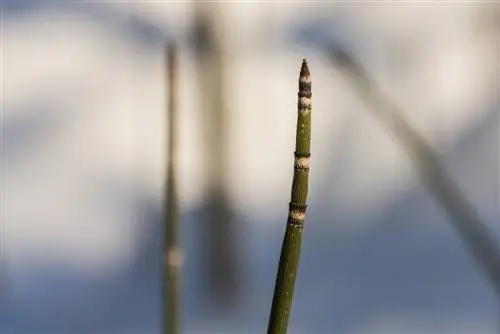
290	251
173	253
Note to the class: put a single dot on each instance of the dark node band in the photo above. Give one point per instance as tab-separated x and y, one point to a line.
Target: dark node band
304	106
301	169
304	86
307	94
302	154
297	207
295	223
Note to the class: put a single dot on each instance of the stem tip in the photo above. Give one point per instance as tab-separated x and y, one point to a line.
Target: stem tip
304	70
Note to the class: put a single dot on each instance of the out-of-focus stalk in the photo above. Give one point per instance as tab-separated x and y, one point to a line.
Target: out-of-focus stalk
220	257
463	215
290	251
173	252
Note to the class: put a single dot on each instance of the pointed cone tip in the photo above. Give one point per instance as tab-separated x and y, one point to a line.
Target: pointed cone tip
304	71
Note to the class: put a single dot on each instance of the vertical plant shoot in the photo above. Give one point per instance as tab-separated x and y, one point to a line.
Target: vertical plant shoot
221	278
173	253
290	251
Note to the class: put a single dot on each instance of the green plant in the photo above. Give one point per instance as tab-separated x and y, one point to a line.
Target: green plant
290	251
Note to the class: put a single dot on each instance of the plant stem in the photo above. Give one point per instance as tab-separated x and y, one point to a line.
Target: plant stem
464	217
222	276
290	251
173	253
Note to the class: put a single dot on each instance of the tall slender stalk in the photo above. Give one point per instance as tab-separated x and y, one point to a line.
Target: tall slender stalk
221	269
464	217
290	251
173	253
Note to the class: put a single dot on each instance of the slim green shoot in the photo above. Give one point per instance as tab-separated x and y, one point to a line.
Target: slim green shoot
290	251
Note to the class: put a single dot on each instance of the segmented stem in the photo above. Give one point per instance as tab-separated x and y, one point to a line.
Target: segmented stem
290	251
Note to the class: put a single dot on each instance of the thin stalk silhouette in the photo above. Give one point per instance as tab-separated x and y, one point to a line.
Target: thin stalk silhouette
173	252
219	231
463	215
290	251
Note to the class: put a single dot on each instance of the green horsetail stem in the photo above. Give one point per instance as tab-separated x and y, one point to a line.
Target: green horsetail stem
290	251
173	253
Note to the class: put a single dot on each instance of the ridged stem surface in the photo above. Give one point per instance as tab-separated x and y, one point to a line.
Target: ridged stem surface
290	251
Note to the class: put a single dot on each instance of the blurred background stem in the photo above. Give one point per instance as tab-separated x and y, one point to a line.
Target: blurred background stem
463	215
218	232
173	253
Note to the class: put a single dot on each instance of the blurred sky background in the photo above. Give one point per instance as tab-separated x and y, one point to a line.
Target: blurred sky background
83	132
